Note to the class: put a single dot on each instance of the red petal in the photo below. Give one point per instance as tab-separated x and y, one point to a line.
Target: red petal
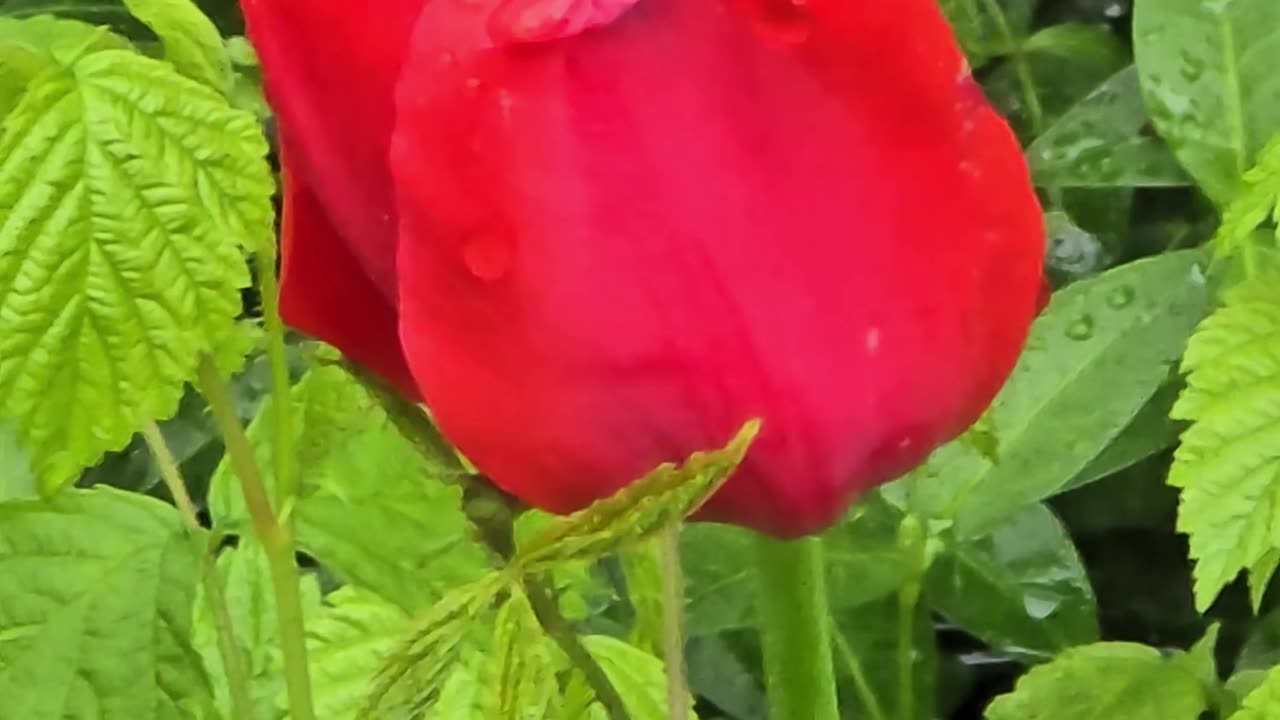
322	294
330	69
618	247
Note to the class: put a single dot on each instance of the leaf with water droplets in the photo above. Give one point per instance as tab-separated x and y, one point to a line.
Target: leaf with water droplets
1100	143
1089	368
1208	75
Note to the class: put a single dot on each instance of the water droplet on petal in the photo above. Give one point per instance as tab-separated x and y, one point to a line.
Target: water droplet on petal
1081	328
488	254
1121	297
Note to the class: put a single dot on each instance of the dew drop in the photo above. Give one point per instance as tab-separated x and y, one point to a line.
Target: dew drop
1121	297
1081	328
488	254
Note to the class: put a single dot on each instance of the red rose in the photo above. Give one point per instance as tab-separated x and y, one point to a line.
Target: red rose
622	228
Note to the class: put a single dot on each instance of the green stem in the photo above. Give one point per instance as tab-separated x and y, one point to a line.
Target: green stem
1021	68
795	630
908	597
276	540
283	455
673	622
860	683
214	592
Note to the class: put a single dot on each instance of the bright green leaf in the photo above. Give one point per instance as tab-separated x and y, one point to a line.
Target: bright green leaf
522	679
348	639
95	609
1264	702
191	41
1208	74
1106	681
639	677
1226	466
126	194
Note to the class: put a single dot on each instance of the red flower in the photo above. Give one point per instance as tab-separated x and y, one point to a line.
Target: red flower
625	227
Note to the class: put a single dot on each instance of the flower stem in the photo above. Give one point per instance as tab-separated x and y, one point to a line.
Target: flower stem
277	540
673	622
908	597
214	591
283	455
795	627
868	696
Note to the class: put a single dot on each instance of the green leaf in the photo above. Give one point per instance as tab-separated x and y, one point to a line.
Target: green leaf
639	677
1149	432
522	680
1257	201
862	555
1099	143
126	194
411	678
638	511
1094	359
359	472
250	598
989	29
1264	702
871	634
1021	589
643	574
16	481
28	48
191	41
1106	681
95	609
1208	75
348	639
1226	465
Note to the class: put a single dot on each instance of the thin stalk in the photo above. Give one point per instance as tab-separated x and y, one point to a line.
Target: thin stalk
673	622
1021	68
276	540
795	630
908	597
283	456
214	591
860	683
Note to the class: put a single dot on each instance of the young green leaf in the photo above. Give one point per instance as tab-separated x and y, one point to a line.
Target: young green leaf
1264	702
1104	681
1208	74
126	194
191	41
522	680
411	677
638	511
96	604
1226	466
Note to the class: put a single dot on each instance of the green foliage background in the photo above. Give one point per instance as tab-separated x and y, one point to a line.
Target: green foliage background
1101	545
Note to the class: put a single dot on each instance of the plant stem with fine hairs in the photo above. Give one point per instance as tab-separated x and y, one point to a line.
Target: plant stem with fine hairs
215	595
795	629
276	539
